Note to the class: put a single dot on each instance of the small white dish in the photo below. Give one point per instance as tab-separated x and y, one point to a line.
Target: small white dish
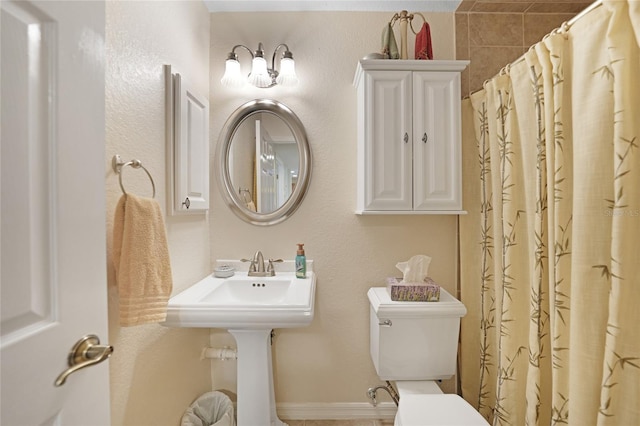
224	271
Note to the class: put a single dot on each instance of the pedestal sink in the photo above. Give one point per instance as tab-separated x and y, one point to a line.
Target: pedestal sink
249	308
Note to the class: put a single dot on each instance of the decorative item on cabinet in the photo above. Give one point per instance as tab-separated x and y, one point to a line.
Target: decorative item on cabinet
409	154
423	48
187	130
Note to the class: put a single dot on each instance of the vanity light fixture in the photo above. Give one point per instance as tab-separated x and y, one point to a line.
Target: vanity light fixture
261	75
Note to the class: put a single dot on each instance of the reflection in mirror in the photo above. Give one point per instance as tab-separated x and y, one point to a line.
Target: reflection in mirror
264	162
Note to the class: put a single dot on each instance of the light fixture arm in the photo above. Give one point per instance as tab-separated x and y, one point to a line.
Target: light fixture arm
233	55
260	51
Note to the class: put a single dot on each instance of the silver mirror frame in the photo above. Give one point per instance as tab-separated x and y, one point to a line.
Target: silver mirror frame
233	199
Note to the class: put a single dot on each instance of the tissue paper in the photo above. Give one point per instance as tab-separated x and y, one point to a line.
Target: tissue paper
415	285
415	269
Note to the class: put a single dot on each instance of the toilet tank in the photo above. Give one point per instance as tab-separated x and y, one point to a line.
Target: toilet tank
414	340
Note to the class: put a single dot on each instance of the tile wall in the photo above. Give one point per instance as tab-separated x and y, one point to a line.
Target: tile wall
494	33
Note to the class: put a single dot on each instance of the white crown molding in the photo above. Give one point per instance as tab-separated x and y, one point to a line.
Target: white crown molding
331	5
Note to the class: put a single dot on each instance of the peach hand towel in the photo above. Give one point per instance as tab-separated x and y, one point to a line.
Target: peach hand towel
141	260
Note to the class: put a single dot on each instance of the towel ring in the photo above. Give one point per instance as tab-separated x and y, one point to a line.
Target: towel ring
118	165
409	17
411	21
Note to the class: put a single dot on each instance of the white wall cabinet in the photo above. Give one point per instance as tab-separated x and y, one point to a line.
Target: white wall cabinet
409	153
187	147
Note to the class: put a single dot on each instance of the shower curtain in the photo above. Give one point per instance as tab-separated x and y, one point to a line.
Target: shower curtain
550	248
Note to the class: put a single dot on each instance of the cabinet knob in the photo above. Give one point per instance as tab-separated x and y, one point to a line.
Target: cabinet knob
186	203
406	138
425	138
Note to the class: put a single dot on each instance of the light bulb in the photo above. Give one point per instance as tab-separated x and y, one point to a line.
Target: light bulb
259	76
287	76
232	75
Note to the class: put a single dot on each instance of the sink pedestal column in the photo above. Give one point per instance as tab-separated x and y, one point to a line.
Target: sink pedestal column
256	397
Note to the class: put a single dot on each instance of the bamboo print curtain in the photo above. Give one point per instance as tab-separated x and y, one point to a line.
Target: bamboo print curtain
550	249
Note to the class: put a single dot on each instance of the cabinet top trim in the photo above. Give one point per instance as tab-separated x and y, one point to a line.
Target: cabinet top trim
407	65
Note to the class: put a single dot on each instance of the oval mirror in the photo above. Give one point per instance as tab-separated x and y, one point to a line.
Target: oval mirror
264	162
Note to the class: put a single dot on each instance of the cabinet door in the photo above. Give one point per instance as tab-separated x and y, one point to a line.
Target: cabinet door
191	149
436	129
388	141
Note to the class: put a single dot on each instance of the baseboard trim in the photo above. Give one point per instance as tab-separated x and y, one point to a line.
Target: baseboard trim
335	411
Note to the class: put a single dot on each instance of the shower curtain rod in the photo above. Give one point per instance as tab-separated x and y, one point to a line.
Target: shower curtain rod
580	15
560	30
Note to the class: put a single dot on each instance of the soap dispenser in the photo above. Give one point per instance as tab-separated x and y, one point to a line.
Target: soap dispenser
301	263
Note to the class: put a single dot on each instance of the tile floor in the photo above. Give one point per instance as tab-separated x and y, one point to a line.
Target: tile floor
362	422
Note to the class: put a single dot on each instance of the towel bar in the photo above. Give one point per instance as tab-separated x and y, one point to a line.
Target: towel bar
117	163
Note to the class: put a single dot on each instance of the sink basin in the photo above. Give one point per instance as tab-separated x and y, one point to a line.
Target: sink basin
243	302
249	308
259	292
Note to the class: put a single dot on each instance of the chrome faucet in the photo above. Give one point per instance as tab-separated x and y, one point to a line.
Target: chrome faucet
256	267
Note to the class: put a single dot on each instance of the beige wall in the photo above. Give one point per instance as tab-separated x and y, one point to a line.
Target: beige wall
155	371
328	361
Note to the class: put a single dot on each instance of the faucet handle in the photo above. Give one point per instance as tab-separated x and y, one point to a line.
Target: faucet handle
252	265
271	262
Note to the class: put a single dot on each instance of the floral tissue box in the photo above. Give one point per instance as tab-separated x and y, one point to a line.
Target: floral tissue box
427	291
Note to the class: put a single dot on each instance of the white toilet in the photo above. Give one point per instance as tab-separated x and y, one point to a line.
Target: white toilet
414	344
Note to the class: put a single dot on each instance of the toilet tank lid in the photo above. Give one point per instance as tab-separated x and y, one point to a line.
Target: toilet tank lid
383	306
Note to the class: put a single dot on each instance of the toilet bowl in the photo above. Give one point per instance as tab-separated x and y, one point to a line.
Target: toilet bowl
443	409
422	403
414	344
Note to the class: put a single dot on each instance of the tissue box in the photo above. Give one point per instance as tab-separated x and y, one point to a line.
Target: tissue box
428	291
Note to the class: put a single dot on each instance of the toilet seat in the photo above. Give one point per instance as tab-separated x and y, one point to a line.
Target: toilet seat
437	409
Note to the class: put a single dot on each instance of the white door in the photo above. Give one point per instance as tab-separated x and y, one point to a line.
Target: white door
266	173
53	272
